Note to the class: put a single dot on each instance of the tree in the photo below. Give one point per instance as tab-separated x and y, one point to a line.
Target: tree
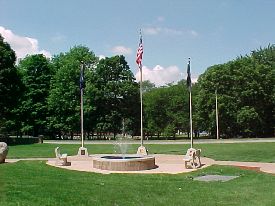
10	87
147	86
166	110
116	95
64	97
36	73
245	85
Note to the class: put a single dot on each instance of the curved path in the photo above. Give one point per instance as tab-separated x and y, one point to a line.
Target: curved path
169	164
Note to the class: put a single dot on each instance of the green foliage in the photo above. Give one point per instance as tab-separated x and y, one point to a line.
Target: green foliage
147	86
10	87
49	100
64	97
115	95
36	73
245	95
166	110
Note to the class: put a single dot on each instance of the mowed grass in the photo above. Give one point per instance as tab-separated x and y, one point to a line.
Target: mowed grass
31	183
258	152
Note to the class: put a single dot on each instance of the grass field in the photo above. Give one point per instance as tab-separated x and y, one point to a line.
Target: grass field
261	152
31	183
28	183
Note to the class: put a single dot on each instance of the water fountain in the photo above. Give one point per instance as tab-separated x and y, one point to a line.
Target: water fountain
123	161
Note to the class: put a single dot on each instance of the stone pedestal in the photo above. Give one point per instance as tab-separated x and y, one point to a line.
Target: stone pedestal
142	151
3	151
83	152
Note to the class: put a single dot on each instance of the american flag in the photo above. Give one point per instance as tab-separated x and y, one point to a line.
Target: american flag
139	52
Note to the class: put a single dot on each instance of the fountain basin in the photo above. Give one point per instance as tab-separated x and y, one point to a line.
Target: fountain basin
123	163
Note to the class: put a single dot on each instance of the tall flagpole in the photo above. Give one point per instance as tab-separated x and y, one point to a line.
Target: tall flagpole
189	85
82	151
82	116
191	125
217	114
141	150
141	107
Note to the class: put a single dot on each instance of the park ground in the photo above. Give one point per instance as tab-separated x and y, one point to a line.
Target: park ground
35	183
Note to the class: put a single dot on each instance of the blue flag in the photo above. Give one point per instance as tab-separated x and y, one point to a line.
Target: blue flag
82	81
189	83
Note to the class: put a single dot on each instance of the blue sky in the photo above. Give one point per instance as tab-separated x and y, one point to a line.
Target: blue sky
210	32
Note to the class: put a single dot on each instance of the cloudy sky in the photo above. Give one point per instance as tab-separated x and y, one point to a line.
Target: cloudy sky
210	32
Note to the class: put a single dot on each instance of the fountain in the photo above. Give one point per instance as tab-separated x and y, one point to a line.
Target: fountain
123	161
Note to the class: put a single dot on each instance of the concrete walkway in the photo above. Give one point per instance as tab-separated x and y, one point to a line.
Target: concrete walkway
168	164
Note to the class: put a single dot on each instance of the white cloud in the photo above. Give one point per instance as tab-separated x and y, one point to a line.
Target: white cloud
22	45
152	30
168	31
101	56
159	75
121	50
161	30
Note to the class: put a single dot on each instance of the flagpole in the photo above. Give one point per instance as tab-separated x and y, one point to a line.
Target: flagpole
191	125
217	114
141	150
81	108
141	107
189	85
82	151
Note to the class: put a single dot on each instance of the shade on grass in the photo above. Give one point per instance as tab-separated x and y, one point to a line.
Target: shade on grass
35	183
259	152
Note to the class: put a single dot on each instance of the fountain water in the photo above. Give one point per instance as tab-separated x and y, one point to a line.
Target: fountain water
122	161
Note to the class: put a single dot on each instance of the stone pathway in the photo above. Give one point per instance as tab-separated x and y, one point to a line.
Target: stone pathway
169	164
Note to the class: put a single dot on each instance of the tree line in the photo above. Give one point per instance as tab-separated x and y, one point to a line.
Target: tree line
40	96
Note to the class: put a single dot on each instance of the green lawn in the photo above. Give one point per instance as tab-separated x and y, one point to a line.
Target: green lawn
31	183
262	152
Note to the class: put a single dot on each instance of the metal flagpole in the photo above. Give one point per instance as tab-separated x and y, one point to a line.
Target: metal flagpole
82	150
141	150
81	100
189	85
141	107
191	125
217	114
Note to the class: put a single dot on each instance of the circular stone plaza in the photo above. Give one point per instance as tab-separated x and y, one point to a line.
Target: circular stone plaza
167	164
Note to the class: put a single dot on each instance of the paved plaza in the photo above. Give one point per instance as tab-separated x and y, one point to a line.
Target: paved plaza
167	164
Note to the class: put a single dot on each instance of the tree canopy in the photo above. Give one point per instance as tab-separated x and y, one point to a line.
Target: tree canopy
42	96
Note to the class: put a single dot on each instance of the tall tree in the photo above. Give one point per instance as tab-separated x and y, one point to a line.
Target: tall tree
37	72
166	110
64	98
245	94
116	95
10	86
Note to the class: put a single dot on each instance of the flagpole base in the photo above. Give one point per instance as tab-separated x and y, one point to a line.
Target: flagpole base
83	152
142	151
